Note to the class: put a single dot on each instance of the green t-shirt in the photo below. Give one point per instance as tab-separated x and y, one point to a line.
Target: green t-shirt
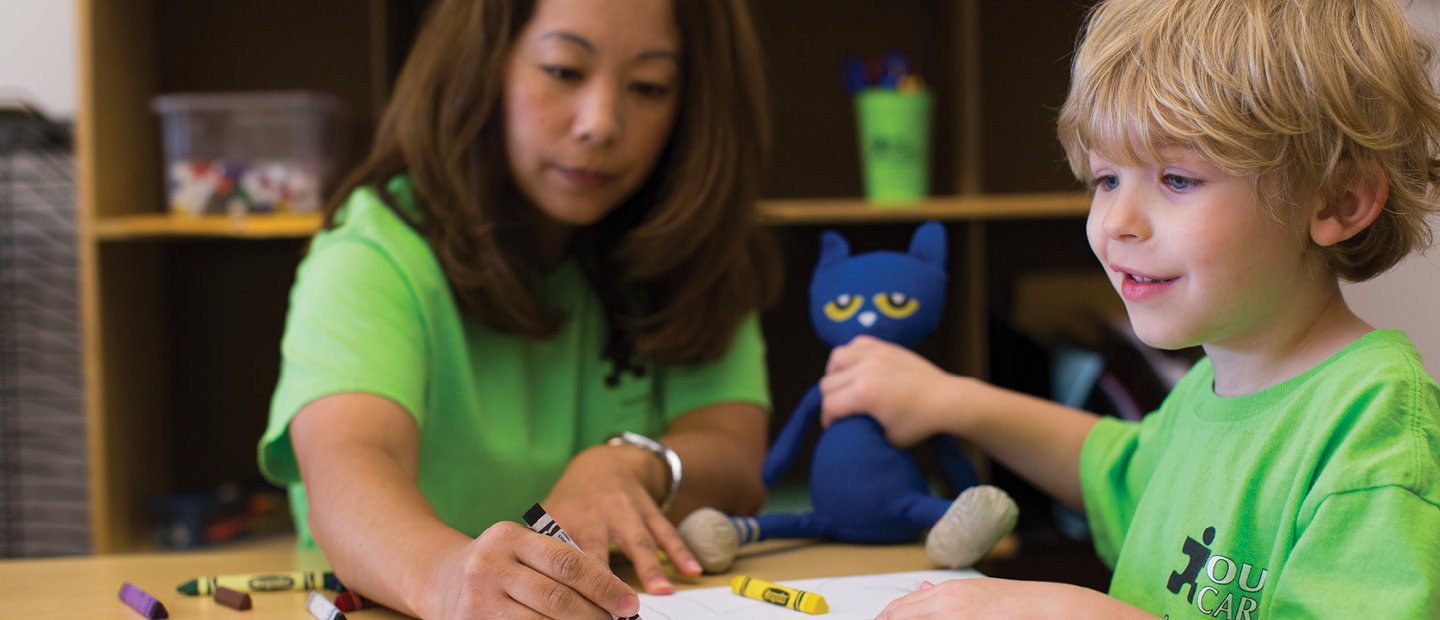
1318	497
499	416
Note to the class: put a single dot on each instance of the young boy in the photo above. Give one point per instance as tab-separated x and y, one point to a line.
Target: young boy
1245	156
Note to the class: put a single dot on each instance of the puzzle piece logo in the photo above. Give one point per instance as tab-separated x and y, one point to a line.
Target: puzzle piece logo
1199	554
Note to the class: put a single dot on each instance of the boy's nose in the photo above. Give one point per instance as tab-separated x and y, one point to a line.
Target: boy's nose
597	122
1124	218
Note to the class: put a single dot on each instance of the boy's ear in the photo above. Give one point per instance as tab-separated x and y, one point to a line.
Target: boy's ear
1360	202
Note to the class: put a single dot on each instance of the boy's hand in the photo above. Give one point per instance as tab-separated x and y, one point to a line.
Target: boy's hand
899	388
1000	598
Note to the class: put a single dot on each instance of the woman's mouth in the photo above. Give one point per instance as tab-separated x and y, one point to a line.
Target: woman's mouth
584	178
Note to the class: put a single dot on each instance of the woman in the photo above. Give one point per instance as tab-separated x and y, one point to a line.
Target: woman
552	240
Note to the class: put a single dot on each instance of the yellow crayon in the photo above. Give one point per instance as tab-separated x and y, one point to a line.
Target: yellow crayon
789	598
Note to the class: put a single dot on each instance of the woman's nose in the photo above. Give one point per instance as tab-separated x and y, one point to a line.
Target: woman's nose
597	122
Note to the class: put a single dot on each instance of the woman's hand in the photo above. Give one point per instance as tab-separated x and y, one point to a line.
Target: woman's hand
607	494
899	388
510	571
958	599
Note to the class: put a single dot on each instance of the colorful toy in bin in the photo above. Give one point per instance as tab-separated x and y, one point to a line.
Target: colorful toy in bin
198	187
238	153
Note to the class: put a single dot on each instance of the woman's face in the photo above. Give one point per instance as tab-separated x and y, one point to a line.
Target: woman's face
592	88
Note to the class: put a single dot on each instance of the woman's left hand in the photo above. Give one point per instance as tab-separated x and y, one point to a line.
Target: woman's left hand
605	496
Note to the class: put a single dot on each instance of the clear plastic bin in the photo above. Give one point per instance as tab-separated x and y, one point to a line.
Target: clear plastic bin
251	152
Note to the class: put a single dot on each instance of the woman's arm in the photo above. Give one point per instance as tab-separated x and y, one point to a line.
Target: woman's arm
722	448
359	459
610	493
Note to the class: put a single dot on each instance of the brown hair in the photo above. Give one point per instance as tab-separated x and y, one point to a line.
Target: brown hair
1297	95
676	267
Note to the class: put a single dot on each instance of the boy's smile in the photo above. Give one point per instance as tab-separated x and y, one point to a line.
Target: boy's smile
1136	286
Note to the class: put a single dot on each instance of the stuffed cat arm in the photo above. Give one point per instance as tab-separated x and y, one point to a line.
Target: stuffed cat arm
787	444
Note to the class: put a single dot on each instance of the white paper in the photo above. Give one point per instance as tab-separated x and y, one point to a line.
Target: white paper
859	597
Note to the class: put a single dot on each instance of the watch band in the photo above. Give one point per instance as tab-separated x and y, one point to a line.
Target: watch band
667	456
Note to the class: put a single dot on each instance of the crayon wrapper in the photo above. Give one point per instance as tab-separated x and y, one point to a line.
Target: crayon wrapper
540	521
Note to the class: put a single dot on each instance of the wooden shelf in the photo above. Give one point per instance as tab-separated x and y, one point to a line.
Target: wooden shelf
167	225
945	208
794	212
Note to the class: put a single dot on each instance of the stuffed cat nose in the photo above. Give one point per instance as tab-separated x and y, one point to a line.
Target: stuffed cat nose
867	318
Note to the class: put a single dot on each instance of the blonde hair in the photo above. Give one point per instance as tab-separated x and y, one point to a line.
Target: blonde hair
1297	95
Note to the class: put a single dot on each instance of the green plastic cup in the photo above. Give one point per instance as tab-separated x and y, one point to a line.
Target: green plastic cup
894	129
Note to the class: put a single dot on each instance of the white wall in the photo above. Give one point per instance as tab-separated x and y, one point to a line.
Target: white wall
1408	296
38	55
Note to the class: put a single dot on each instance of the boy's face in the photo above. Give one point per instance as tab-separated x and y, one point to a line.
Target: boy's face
1193	255
592	89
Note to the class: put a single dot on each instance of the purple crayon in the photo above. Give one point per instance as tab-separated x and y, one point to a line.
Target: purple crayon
139	601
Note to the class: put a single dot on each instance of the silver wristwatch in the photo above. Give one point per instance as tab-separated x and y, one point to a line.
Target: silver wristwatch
671	460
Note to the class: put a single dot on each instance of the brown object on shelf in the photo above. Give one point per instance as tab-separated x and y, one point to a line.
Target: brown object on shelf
233	599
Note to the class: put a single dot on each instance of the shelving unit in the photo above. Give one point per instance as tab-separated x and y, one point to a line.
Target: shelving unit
183	315
792	212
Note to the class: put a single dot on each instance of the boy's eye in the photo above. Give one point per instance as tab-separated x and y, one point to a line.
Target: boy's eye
1105	182
561	72
1179	183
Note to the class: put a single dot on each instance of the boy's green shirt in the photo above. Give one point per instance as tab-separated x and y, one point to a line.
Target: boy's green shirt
1319	497
499	416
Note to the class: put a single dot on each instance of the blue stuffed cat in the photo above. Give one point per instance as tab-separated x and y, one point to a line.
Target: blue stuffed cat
862	489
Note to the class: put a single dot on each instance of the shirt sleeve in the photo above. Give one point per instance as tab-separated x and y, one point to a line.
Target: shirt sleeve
1370	553
353	326
1108	485
739	376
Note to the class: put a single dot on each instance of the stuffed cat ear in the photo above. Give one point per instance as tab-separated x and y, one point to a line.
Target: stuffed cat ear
928	244
834	249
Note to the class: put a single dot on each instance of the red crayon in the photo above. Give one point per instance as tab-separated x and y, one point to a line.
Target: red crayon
139	601
233	599
350	601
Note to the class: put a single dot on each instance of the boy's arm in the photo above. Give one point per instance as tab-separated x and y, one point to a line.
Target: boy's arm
914	400
960	599
1036	438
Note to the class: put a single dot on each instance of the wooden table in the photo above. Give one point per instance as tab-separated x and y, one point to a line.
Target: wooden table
88	587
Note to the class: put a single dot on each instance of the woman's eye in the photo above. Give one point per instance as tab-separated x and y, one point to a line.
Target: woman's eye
1180	183
650	89
560	72
1106	182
